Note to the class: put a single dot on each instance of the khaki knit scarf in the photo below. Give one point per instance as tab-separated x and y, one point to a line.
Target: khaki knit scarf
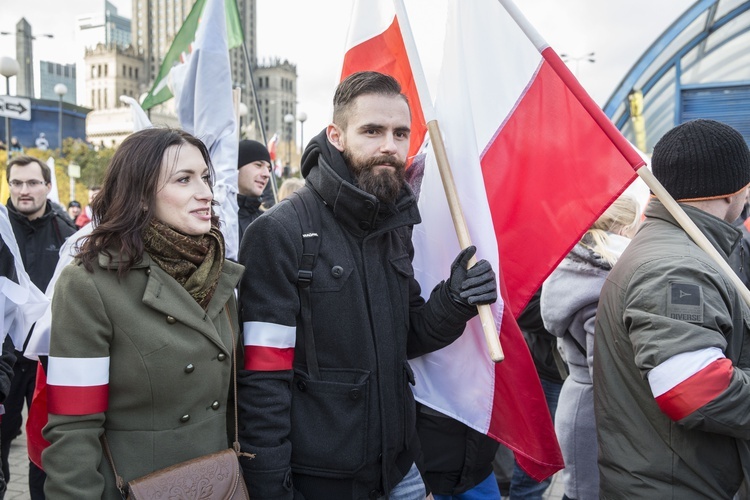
195	262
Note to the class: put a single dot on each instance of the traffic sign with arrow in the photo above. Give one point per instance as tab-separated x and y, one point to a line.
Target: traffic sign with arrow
18	108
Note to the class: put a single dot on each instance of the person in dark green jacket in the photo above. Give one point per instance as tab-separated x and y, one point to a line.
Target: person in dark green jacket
672	352
141	339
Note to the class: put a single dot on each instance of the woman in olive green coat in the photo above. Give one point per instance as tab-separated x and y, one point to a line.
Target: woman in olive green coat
141	343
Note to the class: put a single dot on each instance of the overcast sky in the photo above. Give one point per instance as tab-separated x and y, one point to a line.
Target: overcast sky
312	34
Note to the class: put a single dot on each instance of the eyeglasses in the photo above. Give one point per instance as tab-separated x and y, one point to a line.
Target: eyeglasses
32	184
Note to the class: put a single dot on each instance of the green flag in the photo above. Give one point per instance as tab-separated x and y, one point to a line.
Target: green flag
160	91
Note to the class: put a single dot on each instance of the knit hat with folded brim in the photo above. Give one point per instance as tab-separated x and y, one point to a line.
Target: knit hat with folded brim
250	151
701	160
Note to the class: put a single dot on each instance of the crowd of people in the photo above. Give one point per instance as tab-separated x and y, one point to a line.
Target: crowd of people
639	338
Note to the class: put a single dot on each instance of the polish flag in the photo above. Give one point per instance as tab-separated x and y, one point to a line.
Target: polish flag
535	163
272	146
374	43
77	386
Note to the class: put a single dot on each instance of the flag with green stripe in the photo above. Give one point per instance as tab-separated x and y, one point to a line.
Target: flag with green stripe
181	45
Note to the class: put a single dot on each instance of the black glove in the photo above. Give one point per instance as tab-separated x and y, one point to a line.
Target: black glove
473	286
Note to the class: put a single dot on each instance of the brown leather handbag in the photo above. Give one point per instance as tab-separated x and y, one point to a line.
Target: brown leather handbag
217	476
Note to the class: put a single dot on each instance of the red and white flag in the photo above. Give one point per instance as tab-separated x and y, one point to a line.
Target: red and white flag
535	162
374	43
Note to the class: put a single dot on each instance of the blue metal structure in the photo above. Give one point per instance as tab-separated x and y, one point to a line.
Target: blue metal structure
698	68
44	118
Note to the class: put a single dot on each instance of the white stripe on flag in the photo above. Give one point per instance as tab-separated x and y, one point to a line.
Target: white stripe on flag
78	372
680	367
259	333
369	19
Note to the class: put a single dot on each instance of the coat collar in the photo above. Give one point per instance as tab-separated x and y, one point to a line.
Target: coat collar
722	235
164	294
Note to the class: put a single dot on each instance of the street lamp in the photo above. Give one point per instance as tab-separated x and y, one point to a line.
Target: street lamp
244	110
289	120
8	67
301	116
577	59
60	90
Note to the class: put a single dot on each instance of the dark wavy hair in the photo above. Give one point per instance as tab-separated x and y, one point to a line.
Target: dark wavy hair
125	205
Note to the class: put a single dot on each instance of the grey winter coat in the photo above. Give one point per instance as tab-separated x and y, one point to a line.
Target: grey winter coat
568	305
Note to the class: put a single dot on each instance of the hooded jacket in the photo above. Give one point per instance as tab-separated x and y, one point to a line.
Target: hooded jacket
349	432
568	307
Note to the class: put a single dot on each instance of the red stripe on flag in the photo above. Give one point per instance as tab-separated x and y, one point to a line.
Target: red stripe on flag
70	400
386	53
697	390
529	182
519	392
268	359
35	442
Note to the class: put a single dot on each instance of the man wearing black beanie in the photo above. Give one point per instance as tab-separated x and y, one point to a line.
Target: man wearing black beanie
253	172
672	352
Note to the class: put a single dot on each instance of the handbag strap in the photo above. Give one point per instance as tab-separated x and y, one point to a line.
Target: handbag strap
120	482
236	443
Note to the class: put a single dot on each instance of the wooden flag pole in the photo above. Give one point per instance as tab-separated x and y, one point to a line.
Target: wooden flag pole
692	230
462	230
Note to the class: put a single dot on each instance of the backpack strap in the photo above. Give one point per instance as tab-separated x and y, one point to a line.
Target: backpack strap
309	218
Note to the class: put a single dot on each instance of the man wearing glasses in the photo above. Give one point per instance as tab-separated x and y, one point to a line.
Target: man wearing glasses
40	231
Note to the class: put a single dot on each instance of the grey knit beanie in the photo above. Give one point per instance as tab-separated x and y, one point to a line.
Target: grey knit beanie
701	159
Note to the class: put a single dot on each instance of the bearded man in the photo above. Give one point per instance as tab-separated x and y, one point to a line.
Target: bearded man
325	399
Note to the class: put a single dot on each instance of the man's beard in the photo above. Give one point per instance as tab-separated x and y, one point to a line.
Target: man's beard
384	183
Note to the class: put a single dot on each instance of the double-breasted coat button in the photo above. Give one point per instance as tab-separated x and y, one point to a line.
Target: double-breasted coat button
184	418
354	394
337	271
171	320
221	356
148	271
301	385
190	368
288	480
215	405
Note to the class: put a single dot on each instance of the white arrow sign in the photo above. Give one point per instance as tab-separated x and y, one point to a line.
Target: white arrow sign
18	108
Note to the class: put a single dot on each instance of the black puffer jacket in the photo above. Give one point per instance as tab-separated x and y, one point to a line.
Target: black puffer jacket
351	434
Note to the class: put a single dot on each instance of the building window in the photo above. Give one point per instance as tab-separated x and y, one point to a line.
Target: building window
59	72
105	98
93	97
123	70
106	67
50	68
130	72
136	73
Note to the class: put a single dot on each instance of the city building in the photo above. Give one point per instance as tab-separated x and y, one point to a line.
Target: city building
276	84
106	26
113	71
25	58
52	73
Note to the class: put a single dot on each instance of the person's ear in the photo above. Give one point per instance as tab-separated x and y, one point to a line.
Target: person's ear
335	136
